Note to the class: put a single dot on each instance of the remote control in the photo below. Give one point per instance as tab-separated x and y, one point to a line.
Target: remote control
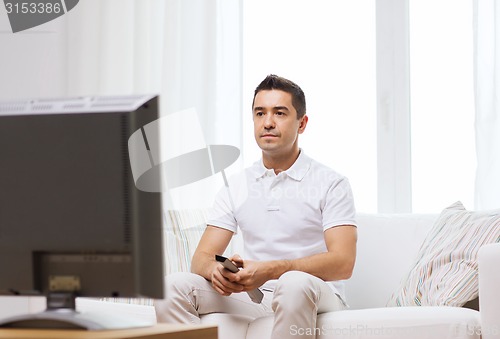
255	295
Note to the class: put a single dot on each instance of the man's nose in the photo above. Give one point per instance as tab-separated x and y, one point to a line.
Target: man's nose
269	121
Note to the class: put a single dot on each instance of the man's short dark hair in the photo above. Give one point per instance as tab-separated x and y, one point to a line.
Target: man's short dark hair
279	83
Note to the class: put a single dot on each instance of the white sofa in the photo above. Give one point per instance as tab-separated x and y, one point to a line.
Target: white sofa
386	247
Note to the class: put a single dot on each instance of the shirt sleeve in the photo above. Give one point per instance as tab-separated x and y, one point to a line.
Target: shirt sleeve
339	205
221	215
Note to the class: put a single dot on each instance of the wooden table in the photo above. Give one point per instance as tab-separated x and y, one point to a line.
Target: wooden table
158	331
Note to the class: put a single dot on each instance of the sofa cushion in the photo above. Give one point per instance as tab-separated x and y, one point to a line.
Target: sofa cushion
385	323
230	326
445	271
387	246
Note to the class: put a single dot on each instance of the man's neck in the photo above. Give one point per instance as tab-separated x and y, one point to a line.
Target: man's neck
280	163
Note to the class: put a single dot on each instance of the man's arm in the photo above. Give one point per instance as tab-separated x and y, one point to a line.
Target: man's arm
335	264
338	262
214	241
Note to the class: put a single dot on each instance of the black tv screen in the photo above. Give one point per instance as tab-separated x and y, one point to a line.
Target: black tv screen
71	217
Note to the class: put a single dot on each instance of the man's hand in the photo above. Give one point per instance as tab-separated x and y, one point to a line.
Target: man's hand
224	281
253	273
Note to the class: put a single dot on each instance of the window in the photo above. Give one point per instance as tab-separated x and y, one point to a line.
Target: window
328	48
442	104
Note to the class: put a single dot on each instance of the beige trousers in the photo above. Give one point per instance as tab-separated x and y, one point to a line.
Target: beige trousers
296	302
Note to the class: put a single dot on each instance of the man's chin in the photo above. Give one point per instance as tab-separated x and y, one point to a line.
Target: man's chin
268	146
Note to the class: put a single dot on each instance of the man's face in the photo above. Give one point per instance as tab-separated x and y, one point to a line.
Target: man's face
276	127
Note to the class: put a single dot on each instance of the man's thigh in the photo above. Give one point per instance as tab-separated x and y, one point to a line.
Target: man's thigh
294	284
205	299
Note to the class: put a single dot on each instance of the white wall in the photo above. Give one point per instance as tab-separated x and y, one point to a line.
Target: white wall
32	62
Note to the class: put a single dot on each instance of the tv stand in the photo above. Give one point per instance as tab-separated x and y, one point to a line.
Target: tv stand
61	313
158	331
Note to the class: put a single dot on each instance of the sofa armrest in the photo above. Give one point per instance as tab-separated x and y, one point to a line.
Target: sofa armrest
489	290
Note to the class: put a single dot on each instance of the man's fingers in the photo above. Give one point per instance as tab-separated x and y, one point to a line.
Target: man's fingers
224	285
229	275
217	287
237	260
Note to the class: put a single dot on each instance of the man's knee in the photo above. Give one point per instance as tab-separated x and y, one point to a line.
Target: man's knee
179	297
294	282
295	288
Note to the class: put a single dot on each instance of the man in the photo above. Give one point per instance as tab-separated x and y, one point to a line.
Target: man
297	221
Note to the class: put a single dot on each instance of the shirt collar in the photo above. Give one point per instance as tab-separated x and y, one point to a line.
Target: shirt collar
297	171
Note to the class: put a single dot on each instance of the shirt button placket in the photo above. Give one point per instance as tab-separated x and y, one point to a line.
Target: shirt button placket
274	195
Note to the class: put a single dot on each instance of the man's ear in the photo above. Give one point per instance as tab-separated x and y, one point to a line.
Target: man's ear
303	124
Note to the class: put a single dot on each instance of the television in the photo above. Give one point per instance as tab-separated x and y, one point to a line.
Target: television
72	221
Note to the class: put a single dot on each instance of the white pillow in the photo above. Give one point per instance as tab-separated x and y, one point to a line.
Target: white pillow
445	272
182	232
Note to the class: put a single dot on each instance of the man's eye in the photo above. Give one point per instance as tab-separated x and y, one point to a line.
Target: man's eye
280	113
259	114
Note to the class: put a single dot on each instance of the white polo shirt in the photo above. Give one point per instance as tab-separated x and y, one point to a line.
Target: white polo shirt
284	216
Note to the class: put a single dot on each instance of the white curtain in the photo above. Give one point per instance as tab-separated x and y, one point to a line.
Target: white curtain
188	51
487	102
115	47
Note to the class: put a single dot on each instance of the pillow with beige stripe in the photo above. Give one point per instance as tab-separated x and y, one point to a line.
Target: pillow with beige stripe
445	272
182	232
